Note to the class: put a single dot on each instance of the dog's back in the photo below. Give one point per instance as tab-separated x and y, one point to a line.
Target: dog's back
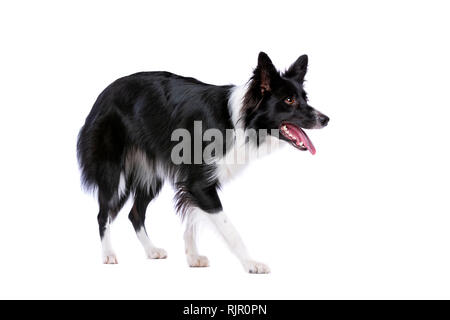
140	112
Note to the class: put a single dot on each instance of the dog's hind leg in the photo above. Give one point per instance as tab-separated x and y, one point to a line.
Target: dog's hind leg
104	223
137	217
110	205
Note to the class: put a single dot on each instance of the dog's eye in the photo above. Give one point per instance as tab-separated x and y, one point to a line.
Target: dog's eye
289	100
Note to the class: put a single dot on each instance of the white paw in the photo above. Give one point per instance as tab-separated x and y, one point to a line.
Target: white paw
256	267
196	261
110	259
156	253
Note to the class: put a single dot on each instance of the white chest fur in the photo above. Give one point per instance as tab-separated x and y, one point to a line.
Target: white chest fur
241	154
242	151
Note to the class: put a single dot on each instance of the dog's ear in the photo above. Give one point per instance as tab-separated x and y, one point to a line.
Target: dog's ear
265	73
297	70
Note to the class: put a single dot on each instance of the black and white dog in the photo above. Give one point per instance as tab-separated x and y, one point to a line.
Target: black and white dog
126	145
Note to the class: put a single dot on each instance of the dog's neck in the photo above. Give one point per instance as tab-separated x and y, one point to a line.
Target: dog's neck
226	166
235	105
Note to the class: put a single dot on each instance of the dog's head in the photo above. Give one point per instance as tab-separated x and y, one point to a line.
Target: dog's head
277	100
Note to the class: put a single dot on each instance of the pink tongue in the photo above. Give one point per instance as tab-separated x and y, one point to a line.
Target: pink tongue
301	135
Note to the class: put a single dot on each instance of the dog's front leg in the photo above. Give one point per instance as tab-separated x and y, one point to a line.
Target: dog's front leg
229	234
235	243
208	204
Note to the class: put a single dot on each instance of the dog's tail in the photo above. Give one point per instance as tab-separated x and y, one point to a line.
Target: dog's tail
100	147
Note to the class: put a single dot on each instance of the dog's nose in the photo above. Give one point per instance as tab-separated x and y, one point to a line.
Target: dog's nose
323	119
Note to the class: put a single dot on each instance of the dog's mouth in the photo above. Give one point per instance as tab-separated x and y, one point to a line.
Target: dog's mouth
297	137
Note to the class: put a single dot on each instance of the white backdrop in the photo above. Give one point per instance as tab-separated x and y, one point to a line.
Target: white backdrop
367	217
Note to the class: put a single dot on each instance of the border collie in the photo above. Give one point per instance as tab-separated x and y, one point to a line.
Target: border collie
125	146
